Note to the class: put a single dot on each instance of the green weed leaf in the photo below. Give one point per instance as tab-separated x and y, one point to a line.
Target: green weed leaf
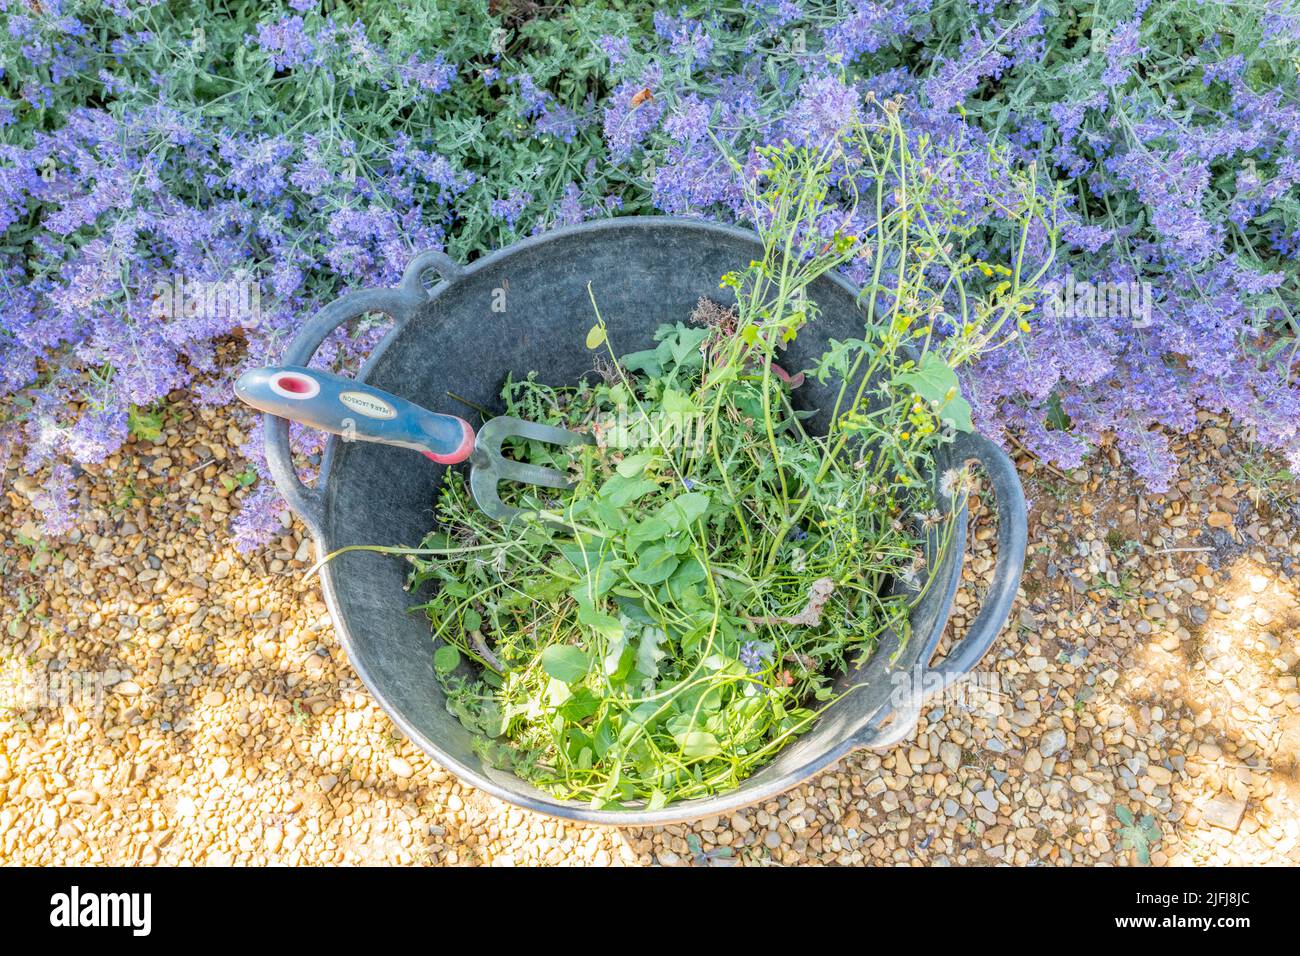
650	652
565	663
446	659
621	491
698	744
684	510
655	563
936	382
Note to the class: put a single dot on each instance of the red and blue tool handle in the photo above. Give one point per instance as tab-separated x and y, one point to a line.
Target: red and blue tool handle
358	412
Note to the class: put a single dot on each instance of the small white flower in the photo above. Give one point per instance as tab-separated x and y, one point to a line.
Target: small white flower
931	517
951	483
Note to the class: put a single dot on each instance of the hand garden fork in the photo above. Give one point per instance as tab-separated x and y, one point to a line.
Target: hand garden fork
358	412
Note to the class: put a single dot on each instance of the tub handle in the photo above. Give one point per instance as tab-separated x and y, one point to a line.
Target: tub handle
401	304
1013	536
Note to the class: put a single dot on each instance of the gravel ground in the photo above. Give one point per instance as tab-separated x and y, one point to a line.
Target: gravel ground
164	699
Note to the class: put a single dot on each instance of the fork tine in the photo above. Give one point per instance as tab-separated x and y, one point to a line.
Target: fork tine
508	470
490	466
483	486
547	433
504	426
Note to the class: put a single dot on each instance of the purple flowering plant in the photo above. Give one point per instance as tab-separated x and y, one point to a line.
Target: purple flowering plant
160	151
150	181
1174	132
